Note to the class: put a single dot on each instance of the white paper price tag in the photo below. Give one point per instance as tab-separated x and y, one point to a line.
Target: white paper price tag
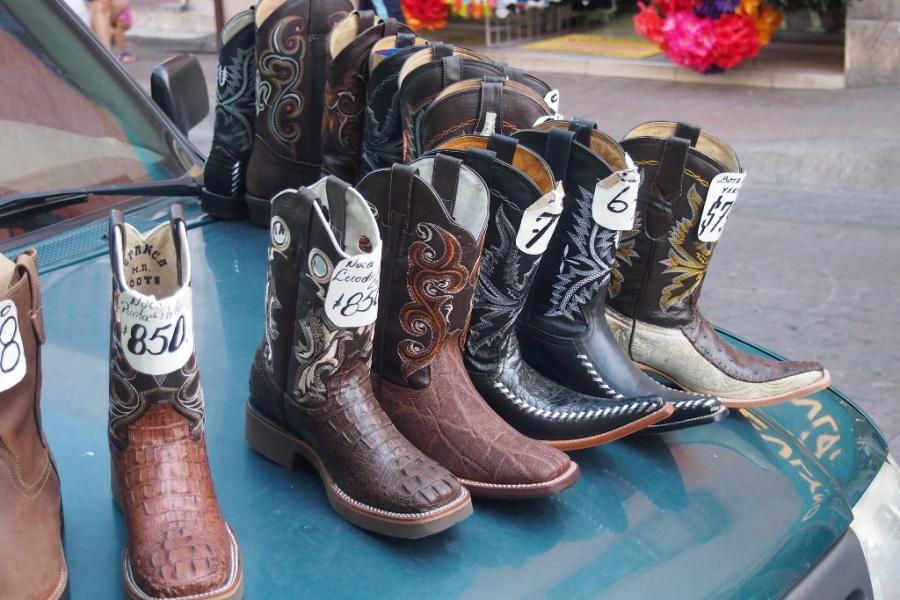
552	100
12	352
538	222
615	198
720	199
352	298
157	336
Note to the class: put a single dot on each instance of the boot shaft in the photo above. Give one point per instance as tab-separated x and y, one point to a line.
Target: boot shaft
663	259
525	203
349	46
432	216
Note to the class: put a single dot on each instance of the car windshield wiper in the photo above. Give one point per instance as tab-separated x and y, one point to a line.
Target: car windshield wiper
16	204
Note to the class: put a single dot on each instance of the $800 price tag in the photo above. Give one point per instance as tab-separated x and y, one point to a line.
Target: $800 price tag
156	335
12	352
720	199
352	298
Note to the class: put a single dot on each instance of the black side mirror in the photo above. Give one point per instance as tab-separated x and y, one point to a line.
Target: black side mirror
178	87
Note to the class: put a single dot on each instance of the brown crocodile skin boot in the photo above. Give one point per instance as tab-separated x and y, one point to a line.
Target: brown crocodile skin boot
689	185
32	565
291	55
433	217
179	546
310	387
349	45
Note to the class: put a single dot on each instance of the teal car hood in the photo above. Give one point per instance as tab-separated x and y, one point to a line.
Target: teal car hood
739	509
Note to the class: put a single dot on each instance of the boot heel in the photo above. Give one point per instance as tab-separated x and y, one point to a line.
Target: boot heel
223	207
260	210
268	440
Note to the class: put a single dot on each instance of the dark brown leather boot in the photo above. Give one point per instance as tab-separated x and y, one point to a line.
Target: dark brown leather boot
690	182
310	390
179	546
291	55
32	565
349	45
433	224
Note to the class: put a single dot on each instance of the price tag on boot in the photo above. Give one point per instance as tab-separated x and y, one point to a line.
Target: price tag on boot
720	199
12	352
539	221
352	297
615	198
157	336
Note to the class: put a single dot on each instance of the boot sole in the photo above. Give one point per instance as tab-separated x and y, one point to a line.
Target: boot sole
233	589
524	490
260	210
283	448
686	423
616	434
223	207
812	388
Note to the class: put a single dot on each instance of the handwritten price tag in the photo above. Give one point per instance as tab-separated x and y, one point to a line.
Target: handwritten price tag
352	298
615	198
720	199
12	352
539	221
157	336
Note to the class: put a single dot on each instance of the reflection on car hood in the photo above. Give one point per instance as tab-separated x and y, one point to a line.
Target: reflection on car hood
737	509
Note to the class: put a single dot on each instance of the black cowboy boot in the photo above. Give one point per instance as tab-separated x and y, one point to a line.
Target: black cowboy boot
224	177
383	125
524	210
689	185
563	329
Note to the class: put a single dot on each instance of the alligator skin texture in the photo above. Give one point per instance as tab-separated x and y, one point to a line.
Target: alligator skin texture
32	565
178	542
451	422
365	454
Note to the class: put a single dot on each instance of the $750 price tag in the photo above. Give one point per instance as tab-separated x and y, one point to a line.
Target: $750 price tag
720	199
352	297
539	221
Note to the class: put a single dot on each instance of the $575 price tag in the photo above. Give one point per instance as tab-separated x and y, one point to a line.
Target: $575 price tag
720	199
352	297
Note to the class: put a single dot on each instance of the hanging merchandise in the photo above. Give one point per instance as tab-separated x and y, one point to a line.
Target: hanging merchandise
709	36
690	184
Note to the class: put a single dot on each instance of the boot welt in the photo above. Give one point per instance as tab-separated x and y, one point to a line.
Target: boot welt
524	490
283	448
691	422
616	434
259	209
816	386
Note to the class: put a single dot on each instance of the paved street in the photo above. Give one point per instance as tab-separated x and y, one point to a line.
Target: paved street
808	265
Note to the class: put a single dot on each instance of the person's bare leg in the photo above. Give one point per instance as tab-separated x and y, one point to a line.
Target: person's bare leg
101	24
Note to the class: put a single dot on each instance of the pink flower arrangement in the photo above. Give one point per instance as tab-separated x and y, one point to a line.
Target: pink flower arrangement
707	35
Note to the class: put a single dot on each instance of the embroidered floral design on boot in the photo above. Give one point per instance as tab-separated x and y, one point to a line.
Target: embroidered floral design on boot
688	267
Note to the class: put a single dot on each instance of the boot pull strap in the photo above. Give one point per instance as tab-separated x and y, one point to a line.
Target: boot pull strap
336	190
451	69
28	262
558	151
688	132
176	223
441	50
482	162
503	146
405	40
366	20
116	246
400	192
445	179
665	189
582	129
306	199
490	113
390	27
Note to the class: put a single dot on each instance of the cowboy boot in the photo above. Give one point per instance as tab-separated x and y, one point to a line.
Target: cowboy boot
310	388
349	45
32	564
291	54
224	177
524	210
433	224
563	330
383	128
179	545
430	71
690	182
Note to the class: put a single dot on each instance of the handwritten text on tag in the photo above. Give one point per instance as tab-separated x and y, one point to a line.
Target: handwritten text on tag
538	222
157	336
352	298
12	352
720	199
615	198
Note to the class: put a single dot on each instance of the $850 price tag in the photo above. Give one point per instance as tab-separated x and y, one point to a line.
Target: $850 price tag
352	298
720	199
156	336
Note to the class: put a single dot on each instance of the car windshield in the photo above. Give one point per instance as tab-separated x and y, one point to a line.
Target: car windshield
69	118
